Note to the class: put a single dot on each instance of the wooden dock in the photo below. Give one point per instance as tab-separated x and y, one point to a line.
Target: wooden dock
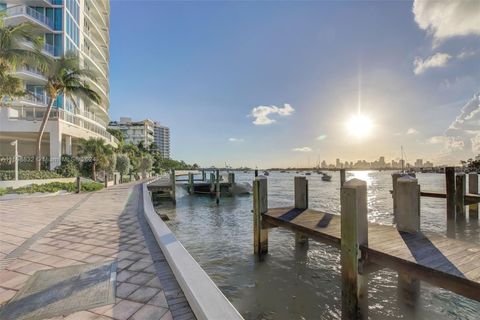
447	263
365	247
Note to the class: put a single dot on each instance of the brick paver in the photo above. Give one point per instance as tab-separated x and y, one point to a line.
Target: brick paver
58	231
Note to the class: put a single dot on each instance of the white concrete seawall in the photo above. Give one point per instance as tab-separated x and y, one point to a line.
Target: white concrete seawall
204	297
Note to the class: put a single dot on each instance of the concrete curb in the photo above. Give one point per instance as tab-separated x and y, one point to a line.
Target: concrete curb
204	297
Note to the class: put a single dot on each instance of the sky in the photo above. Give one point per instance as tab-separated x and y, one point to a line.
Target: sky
291	83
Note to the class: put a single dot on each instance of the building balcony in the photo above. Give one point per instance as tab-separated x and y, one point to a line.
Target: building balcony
36	3
22	13
30	75
35	114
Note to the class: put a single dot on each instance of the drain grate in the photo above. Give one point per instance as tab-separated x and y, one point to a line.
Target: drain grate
62	291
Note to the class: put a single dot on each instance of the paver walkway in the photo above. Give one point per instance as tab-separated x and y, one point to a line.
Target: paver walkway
58	231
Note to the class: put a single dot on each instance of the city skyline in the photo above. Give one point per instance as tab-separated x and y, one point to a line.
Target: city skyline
259	94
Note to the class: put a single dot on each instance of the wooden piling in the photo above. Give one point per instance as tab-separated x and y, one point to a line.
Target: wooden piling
217	188
342	177
191	183
395	177
212	182
256	173
301	202
354	233
78	185
204	175
231	178
260	205
473	188
173	191
407	215
460	187
450	186
407	219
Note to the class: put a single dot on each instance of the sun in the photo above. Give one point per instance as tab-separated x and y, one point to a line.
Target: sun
359	126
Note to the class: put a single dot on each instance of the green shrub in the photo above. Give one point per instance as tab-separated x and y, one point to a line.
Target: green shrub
53	187
28	175
92	186
69	167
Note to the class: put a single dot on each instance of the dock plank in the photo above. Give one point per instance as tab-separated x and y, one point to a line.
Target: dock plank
449	263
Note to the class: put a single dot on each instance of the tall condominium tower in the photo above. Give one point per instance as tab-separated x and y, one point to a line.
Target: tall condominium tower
162	139
76	26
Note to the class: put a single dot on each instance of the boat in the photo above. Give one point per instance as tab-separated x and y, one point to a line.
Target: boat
326	177
266	173
308	173
319	172
282	171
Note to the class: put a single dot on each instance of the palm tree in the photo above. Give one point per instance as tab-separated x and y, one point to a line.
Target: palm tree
98	151
12	54
64	76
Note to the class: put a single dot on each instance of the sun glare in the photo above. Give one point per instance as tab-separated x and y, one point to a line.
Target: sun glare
359	126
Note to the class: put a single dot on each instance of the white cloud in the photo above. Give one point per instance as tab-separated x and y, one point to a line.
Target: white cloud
322	137
236	139
450	143
262	113
412	131
438	60
466	54
447	19
462	138
302	149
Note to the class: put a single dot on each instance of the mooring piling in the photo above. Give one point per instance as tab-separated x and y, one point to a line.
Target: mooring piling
354	233
343	177
231	177
260	206
460	187
473	189
191	183
450	192
217	188
204	175
256	173
301	203
172	182
407	218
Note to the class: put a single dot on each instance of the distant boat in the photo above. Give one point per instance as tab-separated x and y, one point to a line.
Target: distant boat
319	172
326	177
266	173
282	171
308	173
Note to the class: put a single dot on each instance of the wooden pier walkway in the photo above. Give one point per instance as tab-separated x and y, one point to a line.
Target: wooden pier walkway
444	262
366	247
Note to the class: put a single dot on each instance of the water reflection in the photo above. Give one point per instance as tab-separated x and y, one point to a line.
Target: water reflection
304	283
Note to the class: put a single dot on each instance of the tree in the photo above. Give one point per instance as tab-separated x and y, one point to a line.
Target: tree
146	165
117	134
64	76
123	164
99	153
12	54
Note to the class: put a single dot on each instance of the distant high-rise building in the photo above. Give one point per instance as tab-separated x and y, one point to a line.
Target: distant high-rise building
381	161
338	164
419	163
78	27
162	139
135	131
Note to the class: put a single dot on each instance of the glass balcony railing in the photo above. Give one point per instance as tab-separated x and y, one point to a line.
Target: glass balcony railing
30	113
24	10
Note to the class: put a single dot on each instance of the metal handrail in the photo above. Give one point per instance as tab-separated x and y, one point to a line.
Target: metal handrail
36	114
17	10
